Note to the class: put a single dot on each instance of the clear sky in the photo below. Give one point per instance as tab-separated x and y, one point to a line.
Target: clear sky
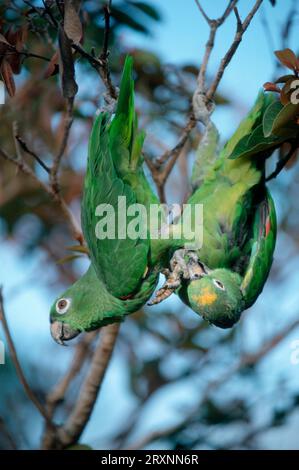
181	37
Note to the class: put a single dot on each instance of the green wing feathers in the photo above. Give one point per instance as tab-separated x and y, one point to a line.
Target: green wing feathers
115	170
261	248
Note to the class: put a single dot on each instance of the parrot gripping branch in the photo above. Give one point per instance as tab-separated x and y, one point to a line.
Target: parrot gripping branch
202	101
180	269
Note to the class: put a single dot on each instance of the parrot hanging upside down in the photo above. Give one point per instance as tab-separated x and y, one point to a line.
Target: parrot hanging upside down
219	280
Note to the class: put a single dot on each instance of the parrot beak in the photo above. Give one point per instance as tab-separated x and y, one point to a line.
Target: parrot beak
62	332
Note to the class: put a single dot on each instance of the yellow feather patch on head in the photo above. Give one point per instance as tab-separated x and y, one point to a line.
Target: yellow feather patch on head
206	298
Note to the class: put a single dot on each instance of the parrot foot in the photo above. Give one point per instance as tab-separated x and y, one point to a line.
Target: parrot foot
179	269
173	281
189	270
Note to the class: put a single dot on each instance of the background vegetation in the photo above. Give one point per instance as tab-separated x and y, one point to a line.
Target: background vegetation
174	382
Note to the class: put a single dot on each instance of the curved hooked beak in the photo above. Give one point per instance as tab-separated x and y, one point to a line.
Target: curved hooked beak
62	332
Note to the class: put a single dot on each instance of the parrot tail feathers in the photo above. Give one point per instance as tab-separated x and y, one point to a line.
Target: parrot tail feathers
125	140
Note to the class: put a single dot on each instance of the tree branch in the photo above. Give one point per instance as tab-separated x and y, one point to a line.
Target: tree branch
57	159
241	28
14	357
75	425
22	166
57	395
25	148
245	361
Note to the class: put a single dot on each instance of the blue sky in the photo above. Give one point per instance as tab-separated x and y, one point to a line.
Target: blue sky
181	38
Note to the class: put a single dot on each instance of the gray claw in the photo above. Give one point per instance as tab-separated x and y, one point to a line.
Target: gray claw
179	269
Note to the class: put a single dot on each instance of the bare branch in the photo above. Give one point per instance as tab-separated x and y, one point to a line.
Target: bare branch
7	435
104	69
66	133
245	361
202	105
208	20
22	166
81	353
214	25
14	357
101	64
73	428
57	395
25	148
241	28
282	162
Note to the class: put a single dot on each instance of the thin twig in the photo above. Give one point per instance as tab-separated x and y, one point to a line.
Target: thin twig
14	357
107	14
12	50
214	25
241	28
57	395
76	423
7	434
22	166
282	162
203	12
245	361
66	133
104	69
169	157
82	351
26	149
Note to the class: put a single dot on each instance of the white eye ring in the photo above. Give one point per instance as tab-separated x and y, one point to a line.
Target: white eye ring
62	306
218	284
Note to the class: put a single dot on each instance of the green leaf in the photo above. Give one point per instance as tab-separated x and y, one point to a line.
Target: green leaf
148	9
269	117
286	116
285	78
254	143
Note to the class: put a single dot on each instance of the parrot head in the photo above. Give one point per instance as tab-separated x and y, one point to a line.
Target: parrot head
84	306
65	313
217	297
87	305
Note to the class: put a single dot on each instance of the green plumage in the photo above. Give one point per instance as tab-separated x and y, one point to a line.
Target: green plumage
93	306
114	170
239	222
121	277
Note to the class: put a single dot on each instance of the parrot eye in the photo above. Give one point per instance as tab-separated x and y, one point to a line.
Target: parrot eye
218	284
62	306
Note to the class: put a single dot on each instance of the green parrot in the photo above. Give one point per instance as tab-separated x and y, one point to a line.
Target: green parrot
239	219
120	278
218	280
